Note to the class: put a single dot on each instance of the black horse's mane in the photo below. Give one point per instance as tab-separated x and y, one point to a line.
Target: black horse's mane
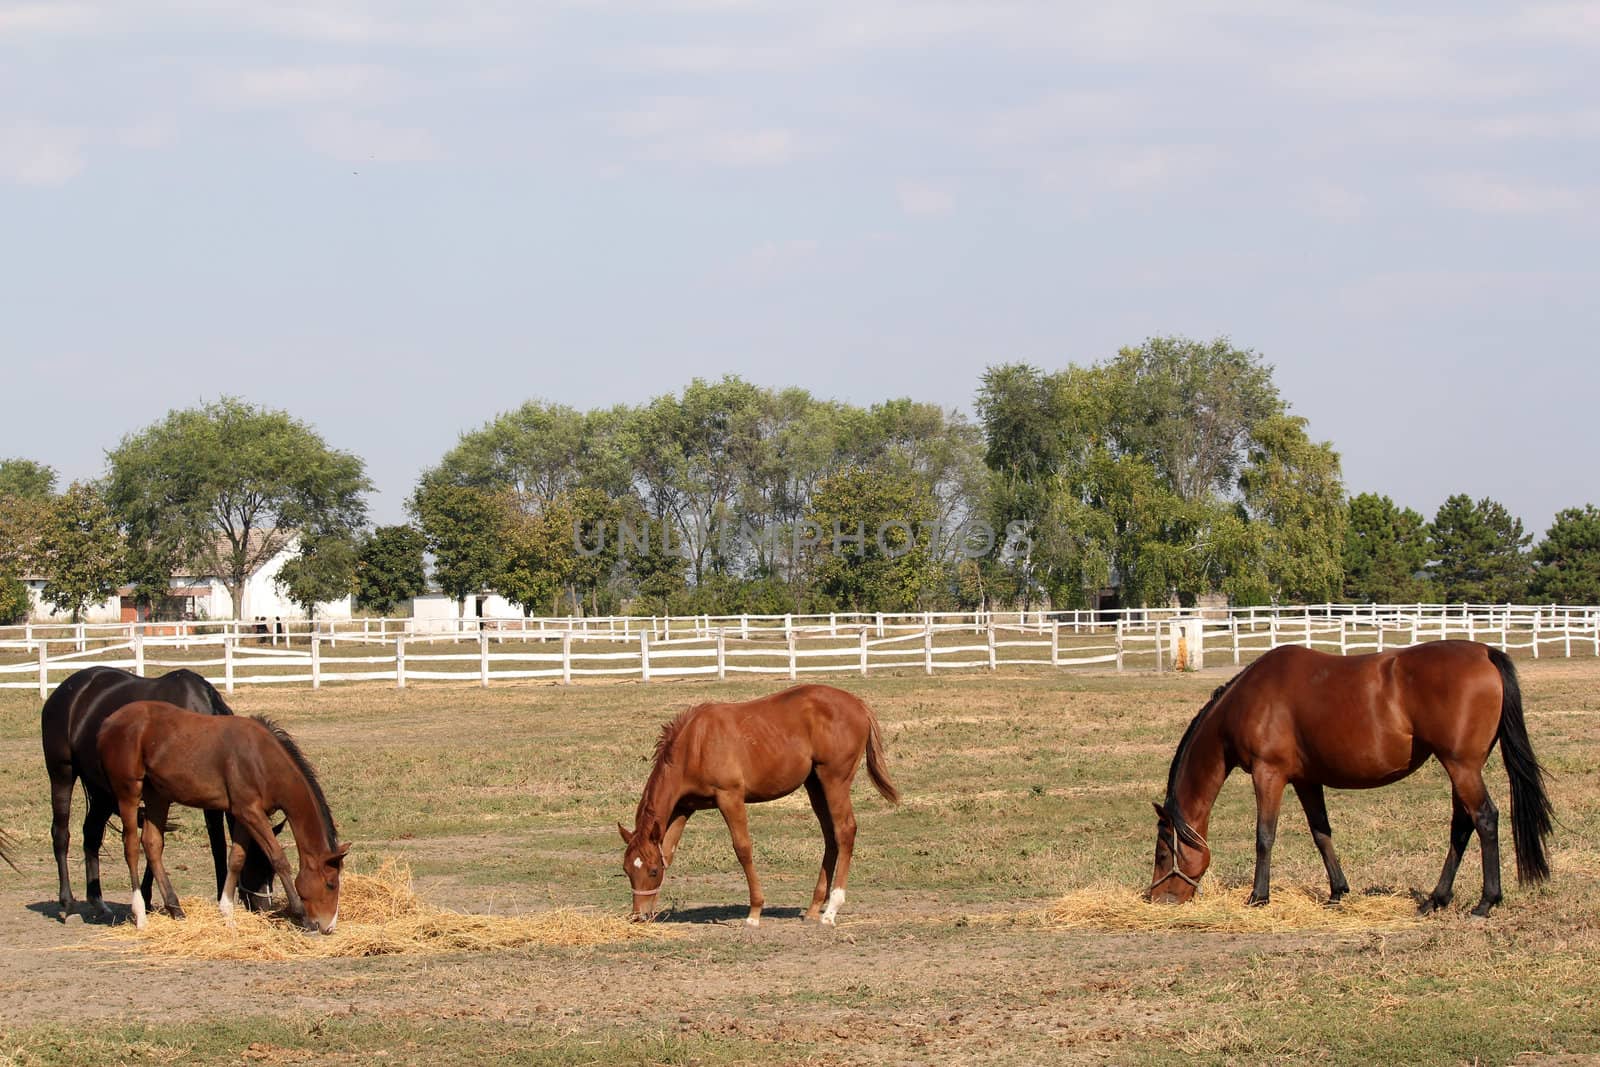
1169	806
282	737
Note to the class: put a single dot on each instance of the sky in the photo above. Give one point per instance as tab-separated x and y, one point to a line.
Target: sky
396	220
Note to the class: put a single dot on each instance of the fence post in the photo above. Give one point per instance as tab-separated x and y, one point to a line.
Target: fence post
227	663
1119	645
722	654
1343	647
644	654
1158	646
138	648
880	625
1233	625
44	668
1566	633
989	630
927	647
483	658
566	657
744	627
1536	615
316	660
400	660
790	640
833	625
863	636
1055	642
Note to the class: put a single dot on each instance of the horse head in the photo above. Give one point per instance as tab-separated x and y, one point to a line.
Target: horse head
646	868
317	883
1182	857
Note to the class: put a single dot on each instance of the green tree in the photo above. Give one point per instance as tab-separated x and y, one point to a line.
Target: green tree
389	567
463	526
1386	550
81	556
1568	559
225	487
1294	498
323	571
564	550
1479	552
27	480
14	602
872	551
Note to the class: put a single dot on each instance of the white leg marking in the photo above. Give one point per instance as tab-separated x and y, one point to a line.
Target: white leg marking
138	908
835	899
752	920
229	893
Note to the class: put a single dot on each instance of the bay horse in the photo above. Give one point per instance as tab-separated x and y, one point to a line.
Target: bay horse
724	756
70	723
1311	719
250	768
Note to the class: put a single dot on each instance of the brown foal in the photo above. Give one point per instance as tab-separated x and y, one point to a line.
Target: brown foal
725	756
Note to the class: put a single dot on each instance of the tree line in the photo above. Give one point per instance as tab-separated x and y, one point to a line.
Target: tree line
1171	471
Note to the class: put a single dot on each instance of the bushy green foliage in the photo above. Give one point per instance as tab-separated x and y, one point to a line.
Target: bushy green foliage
389	567
1568	559
13	601
1386	549
81	554
1479	552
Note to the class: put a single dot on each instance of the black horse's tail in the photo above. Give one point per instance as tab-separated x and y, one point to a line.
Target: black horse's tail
1530	805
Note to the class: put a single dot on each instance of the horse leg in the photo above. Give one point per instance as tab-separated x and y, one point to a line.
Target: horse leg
1460	834
230	883
1316	807
61	833
732	807
128	808
258	826
1269	796
830	844
219	846
101	807
1468	783
674	832
844	832
155	839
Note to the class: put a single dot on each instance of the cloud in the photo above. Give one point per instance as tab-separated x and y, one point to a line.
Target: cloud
923	199
36	154
1333	201
24	19
298	85
1488	195
695	132
356	139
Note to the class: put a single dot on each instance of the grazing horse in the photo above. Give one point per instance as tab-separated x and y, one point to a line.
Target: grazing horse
247	767
726	755
1309	719
70	722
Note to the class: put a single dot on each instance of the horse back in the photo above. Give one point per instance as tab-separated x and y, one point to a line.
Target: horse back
73	715
770	745
183	755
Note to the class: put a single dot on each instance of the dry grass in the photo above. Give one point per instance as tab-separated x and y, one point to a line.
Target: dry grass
1222	908
379	915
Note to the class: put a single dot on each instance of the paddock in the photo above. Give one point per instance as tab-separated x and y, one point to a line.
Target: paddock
1025	791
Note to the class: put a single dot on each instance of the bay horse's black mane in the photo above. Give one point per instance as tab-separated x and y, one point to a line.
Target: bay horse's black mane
1169	806
310	772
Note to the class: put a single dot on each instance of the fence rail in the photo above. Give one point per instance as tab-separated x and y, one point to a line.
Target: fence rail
565	650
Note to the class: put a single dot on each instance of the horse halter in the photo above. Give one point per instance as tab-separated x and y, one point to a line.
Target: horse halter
1177	871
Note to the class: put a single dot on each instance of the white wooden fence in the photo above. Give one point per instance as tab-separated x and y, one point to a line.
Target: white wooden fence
566	650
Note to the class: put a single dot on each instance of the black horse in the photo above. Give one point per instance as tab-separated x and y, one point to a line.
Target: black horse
70	723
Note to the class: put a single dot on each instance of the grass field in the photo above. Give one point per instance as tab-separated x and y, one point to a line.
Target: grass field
1019	788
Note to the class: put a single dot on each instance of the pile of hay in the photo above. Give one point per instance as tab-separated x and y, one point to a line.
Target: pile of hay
1223	908
379	915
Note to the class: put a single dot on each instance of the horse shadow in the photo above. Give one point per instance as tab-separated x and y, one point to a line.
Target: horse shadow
119	914
725	913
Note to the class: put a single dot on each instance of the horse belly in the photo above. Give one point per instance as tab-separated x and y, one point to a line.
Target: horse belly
1363	766
777	779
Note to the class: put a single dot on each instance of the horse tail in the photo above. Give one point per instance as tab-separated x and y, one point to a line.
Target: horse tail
1530	805
875	764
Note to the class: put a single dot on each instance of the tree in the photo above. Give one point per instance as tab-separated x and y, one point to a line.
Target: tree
1294	499
225	487
872	551
323	571
1479	552
548	555
14	602
1568	559
1385	552
82	551
389	567
463	526
27	480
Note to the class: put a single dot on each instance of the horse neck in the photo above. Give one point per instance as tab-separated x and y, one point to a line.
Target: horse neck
298	802
1202	773
662	791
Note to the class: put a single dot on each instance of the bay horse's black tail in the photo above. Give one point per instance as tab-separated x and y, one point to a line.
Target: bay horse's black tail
1530	806
875	765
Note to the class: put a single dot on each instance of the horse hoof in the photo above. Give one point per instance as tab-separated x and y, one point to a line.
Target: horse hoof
752	920
1257	902
1483	909
176	913
829	920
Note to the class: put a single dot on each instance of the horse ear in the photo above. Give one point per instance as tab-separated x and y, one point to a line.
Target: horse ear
337	859
1161	813
627	837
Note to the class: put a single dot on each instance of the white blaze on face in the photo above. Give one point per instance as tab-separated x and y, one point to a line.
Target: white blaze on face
637	863
835	899
332	922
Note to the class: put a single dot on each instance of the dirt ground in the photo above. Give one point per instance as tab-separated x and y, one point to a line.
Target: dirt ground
939	956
